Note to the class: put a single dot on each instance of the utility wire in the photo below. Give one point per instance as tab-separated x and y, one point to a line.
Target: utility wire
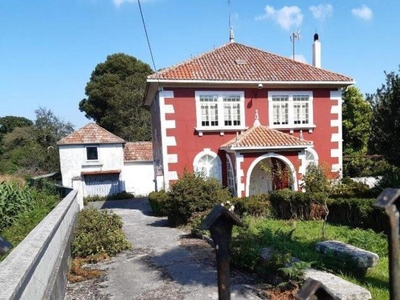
147	36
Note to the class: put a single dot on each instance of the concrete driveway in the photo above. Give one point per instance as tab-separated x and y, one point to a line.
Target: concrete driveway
158	267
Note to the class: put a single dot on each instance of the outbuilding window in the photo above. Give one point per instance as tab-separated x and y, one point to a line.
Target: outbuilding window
91	153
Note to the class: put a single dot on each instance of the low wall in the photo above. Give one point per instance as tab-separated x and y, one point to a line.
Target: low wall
37	267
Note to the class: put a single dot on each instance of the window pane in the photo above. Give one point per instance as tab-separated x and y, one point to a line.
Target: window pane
280	109
231	110
209	110
91	153
301	109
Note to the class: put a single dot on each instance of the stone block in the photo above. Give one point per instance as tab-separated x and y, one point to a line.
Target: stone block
338	287
362	258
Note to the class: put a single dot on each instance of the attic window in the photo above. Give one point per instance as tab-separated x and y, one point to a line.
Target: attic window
91	153
240	61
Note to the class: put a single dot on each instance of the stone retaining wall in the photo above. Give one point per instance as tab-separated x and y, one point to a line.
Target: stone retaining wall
37	267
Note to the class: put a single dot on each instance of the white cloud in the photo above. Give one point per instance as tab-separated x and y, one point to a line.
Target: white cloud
299	57
363	12
322	11
118	3
286	17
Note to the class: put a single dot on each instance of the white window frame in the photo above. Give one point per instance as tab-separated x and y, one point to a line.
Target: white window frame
230	175
220	114
290	118
215	157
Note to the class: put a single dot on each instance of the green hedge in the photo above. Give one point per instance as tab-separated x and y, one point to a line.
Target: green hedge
256	206
158	203
353	212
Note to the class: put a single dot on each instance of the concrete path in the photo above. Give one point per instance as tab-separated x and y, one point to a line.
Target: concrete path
158	267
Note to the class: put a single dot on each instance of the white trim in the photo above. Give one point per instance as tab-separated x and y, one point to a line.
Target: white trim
239	174
266	148
170	124
255	83
164	109
337	137
172	158
170	141
269	155
302	158
172	175
221	111
290	102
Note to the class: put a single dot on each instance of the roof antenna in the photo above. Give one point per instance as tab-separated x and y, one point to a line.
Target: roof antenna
293	37
231	34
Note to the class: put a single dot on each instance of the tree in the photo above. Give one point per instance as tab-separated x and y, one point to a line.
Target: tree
385	124
115	97
8	123
32	150
357	113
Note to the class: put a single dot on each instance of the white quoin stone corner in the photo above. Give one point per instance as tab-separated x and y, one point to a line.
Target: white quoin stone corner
338	287
363	258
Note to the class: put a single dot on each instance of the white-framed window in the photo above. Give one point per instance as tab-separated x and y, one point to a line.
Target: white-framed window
290	109
208	164
219	110
91	153
311	157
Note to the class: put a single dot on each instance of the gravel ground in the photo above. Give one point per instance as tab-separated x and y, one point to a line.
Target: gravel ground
165	263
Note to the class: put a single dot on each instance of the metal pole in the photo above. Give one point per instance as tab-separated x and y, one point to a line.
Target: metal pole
393	238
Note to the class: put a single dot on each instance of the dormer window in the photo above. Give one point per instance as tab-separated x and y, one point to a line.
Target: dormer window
91	153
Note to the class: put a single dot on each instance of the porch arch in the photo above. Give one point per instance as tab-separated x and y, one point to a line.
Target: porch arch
271	155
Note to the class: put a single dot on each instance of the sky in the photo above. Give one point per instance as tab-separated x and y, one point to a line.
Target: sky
49	48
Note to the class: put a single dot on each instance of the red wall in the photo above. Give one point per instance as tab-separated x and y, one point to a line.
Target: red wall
189	143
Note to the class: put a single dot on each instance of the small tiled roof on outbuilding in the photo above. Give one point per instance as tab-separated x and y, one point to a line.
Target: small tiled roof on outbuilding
263	137
91	134
138	151
236	62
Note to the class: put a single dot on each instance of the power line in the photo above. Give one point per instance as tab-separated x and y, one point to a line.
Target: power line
147	36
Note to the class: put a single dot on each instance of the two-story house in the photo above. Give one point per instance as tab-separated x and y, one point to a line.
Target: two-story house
252	119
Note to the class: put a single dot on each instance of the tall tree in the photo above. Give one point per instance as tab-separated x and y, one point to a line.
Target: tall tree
114	97
357	113
8	123
32	150
385	124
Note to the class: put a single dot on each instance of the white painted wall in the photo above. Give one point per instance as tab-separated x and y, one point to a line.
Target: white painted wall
138	177
73	160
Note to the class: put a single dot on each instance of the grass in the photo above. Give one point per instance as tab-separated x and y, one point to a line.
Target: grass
298	239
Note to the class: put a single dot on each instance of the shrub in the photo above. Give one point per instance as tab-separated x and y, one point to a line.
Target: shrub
390	179
14	199
347	187
191	194
118	196
158	202
256	206
98	232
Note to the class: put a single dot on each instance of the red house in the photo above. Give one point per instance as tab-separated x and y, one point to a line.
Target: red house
250	118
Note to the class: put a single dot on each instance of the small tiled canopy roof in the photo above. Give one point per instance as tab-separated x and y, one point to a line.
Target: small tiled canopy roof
141	151
239	63
91	134
263	137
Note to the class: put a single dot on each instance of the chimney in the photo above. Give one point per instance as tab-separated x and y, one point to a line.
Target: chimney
316	52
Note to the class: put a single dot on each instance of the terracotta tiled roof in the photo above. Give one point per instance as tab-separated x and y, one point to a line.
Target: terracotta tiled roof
138	151
91	134
238	62
265	137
